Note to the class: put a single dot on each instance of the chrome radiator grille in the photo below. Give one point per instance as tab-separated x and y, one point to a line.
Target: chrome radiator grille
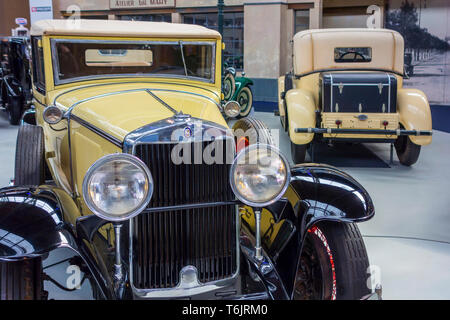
165	242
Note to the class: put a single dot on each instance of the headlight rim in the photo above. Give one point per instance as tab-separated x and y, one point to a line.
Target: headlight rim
101	161
283	190
227	106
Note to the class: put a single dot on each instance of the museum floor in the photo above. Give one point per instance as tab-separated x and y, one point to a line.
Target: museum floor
408	240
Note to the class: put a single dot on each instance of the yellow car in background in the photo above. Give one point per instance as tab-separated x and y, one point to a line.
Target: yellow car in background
347	85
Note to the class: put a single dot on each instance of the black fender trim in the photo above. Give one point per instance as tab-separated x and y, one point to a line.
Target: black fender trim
30	222
32	225
29	117
13	87
327	193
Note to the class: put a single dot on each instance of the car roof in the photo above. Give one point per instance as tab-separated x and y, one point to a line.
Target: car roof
314	49
121	28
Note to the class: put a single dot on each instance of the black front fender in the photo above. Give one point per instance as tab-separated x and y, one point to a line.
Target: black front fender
30	223
322	192
37	220
316	193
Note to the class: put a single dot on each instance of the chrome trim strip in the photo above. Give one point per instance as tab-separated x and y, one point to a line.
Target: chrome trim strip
69	111
129	82
164	129
55	60
103	134
389	93
161	101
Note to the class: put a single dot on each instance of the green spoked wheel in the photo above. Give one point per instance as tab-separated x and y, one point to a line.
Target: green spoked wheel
245	99
229	86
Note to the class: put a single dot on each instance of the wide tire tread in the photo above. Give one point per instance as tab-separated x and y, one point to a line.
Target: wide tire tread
20	280
351	260
29	161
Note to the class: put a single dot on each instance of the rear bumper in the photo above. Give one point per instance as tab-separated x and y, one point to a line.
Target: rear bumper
385	132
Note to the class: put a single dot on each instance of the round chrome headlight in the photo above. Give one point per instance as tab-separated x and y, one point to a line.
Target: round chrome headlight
232	109
52	114
117	187
259	175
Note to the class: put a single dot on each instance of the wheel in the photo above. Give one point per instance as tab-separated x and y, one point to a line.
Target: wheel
250	131
14	110
21	279
229	85
333	264
245	99
298	152
30	163
407	151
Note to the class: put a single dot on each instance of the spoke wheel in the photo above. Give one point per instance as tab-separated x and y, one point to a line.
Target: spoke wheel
245	99
316	275
228	87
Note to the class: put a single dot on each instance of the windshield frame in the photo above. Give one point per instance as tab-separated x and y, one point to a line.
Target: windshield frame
55	61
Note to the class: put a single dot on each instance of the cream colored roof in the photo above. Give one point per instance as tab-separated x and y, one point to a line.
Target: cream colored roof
121	28
314	49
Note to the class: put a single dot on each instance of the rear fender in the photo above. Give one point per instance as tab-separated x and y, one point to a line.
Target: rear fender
415	113
301	114
240	83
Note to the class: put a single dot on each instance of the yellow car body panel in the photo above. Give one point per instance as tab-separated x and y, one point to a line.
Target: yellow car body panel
415	113
301	114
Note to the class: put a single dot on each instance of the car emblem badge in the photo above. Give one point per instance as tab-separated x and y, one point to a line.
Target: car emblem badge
187	132
362	117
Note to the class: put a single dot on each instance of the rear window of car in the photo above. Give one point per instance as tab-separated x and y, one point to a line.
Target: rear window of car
347	54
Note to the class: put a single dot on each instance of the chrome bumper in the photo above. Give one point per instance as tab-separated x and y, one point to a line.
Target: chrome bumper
398	132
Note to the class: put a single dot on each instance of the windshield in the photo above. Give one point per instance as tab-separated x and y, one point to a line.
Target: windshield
76	60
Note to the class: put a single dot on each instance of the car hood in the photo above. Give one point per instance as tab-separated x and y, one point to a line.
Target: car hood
119	109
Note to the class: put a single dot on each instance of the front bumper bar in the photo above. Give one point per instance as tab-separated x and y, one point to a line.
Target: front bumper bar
398	132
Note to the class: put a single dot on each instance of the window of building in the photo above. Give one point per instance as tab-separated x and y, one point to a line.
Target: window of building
233	34
301	20
165	17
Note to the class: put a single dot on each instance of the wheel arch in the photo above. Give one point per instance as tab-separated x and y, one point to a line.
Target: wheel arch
43	219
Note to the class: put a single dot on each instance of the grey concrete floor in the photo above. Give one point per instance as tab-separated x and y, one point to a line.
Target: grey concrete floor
408	240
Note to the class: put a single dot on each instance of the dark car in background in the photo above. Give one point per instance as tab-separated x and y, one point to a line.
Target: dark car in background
15	80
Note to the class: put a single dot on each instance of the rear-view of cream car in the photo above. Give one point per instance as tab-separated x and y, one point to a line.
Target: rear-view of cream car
347	85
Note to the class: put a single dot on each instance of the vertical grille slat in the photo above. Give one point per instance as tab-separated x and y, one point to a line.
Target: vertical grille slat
165	242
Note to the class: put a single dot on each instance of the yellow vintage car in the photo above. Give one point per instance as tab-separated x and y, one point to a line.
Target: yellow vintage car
346	85
128	162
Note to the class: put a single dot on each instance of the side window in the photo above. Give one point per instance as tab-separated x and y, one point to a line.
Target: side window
38	65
